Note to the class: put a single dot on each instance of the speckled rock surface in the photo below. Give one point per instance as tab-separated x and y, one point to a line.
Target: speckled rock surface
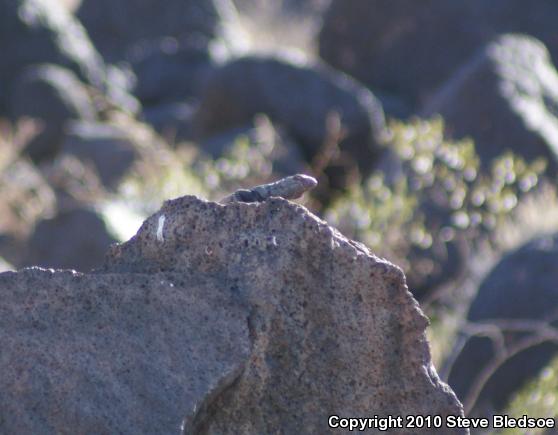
225	319
113	353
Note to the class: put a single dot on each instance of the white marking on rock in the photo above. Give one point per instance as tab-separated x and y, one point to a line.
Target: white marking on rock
160	227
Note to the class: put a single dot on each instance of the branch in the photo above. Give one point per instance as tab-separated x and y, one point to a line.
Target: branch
539	331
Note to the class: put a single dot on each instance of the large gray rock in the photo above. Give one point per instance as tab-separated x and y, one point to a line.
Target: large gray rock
43	31
285	7
409	48
53	96
505	98
521	286
168	70
297	98
244	319
114	353
117	25
172	120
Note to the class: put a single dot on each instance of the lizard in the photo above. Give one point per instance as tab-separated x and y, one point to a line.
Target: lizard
291	187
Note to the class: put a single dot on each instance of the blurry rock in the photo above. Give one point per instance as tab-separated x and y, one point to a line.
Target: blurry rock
43	31
409	48
244	319
287	7
116	25
505	98
403	47
53	96
270	141
301	99
109	149
521	286
169	71
173	121
74	239
394	106
539	21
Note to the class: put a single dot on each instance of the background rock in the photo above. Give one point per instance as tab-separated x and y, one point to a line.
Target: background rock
298	98
521	286
109	149
116	25
173	121
402	47
505	98
409	48
288	7
74	239
168	70
246	318
52	96
43	31
275	145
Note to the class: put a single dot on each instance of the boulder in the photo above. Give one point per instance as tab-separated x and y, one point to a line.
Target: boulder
505	98
539	21
266	139
53	96
402	47
286	7
236	319
43	31
172	120
409	48
301	99
110	150
73	239
169	71
117	25
521	286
